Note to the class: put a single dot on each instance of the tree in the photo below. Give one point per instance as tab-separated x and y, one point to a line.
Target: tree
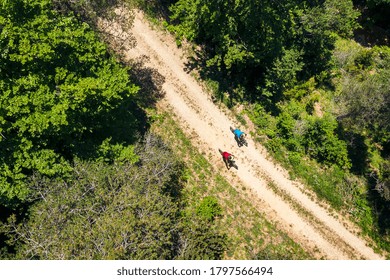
59	85
322	143
114	211
366	93
366	100
250	41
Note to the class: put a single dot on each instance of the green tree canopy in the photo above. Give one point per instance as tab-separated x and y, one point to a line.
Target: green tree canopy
115	211
58	84
250	40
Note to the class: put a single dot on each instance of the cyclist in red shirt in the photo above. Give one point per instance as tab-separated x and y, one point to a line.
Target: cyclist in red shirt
227	158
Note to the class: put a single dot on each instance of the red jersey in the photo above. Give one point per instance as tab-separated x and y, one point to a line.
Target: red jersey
226	155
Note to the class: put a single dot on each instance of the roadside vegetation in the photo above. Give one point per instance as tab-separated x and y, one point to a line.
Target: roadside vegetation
313	79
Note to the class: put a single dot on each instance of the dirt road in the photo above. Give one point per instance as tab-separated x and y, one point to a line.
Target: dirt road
317	228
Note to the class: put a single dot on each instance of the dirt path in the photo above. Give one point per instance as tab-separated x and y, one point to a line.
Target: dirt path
284	201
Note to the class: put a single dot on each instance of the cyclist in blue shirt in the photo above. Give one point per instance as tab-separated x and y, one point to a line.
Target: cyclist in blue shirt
239	136
238	133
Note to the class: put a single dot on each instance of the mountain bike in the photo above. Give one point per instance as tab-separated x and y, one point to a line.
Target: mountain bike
240	140
230	162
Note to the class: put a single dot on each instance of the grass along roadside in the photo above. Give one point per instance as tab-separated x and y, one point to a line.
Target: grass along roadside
250	234
343	191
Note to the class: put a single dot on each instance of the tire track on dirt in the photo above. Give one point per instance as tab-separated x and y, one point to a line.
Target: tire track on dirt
315	230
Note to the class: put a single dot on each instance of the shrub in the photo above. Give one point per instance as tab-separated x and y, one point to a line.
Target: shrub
209	208
322	143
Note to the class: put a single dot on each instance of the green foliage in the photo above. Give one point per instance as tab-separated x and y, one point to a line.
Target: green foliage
333	16
58	86
322	143
265	47
115	211
283	74
367	95
303	133
109	152
264	121
209	208
300	91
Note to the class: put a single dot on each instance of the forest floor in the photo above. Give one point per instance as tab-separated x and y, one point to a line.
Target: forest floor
314	225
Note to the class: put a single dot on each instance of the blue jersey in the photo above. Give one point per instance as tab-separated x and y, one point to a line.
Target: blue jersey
238	133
